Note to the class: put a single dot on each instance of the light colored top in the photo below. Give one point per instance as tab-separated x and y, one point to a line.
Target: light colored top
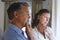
13	33
39	36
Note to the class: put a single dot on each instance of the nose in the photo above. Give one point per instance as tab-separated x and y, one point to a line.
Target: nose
47	19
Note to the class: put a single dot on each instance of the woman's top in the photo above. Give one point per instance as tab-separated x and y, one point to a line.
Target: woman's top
39	36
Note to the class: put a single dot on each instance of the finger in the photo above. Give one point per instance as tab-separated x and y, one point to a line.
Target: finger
27	26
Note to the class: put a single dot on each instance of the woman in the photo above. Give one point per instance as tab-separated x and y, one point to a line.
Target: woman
41	30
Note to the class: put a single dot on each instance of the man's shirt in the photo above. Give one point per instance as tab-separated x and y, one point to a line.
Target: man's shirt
14	33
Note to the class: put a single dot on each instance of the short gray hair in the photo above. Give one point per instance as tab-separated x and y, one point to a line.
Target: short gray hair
15	7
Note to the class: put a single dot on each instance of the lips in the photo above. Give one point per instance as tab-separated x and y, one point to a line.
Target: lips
45	22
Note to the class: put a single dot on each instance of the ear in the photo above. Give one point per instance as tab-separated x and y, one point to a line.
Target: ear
15	14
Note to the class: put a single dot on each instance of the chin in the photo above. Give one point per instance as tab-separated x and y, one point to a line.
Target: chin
45	24
24	24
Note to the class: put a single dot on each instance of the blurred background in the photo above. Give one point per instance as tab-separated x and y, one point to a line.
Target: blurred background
34	5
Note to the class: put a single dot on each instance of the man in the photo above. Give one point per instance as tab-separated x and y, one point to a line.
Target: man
18	14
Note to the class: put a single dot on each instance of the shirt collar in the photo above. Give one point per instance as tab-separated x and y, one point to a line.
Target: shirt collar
15	28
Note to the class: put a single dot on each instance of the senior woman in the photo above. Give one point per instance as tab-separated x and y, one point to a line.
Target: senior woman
41	30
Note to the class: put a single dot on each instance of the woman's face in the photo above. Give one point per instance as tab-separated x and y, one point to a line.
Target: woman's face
44	18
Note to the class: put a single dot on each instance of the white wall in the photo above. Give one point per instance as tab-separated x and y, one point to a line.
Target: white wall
54	17
1	18
58	19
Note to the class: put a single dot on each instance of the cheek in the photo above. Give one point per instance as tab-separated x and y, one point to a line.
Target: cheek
43	20
25	18
21	18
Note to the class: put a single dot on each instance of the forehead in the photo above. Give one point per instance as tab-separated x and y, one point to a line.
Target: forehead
46	14
24	8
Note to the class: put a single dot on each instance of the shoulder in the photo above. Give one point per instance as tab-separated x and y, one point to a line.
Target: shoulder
35	31
10	34
51	33
10	31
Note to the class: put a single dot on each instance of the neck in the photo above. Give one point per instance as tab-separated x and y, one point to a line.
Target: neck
41	29
18	24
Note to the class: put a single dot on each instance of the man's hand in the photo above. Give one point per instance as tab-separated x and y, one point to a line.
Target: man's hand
29	32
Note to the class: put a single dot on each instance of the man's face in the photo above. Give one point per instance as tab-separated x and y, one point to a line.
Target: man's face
23	16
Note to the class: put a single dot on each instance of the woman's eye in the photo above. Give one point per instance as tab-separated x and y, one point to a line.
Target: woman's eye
44	16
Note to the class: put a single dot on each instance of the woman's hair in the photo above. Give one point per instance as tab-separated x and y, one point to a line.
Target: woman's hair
39	13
